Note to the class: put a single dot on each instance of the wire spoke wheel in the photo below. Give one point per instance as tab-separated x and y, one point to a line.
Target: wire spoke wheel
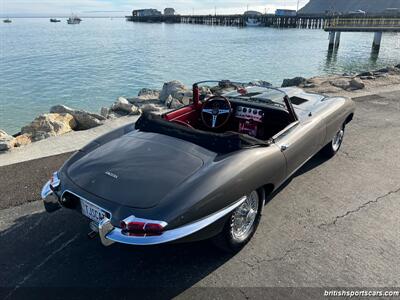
334	145
337	140
244	216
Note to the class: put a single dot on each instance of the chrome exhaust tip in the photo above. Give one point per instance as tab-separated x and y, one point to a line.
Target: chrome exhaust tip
92	234
104	228
94	226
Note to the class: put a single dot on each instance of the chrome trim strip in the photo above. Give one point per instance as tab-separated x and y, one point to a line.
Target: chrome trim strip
55	180
283	131
46	190
173	234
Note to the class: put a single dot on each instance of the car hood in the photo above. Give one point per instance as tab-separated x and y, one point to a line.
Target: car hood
136	170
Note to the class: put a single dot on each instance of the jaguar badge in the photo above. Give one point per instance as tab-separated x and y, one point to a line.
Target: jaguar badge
108	173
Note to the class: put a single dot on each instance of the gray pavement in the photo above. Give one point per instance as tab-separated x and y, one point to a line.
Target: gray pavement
335	223
22	182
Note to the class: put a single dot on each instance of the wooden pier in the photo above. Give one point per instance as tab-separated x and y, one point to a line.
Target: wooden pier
336	26
267	20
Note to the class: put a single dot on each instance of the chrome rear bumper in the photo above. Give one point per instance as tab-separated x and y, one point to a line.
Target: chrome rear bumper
46	190
50	200
109	234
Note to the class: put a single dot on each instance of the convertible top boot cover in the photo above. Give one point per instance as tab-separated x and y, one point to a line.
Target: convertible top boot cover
137	170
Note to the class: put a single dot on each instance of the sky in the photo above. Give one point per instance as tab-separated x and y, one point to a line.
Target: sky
45	8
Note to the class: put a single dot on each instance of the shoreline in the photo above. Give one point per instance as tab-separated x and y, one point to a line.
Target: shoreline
71	125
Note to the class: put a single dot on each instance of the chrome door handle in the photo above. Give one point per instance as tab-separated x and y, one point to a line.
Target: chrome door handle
284	147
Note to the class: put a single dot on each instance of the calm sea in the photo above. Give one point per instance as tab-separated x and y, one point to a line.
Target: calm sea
89	65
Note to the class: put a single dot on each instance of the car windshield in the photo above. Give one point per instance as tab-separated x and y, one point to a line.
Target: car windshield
271	96
251	92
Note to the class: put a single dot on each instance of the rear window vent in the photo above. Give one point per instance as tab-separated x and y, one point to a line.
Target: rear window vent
297	100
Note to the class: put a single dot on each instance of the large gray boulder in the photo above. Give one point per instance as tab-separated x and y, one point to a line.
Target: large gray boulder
48	125
223	87
84	120
173	103
145	96
296	81
368	73
205	90
175	89
383	70
22	140
356	84
150	108
341	83
105	112
6	141
146	93
391	70
261	83
123	107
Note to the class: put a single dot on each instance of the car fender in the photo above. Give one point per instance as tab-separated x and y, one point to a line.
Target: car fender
222	183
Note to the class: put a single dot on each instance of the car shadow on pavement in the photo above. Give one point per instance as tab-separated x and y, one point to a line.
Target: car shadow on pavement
313	163
49	252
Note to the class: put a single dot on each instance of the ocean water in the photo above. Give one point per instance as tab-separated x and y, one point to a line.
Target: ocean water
89	65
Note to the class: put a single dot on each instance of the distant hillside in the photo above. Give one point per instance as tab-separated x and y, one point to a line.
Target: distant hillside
344	6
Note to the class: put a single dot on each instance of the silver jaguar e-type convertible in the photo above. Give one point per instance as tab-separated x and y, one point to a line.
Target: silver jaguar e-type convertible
202	171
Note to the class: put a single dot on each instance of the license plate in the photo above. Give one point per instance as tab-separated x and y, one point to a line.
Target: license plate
92	212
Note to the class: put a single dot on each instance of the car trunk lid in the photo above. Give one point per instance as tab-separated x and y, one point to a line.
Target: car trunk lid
136	170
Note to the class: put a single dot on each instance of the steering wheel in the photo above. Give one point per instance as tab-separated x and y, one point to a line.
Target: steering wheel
214	107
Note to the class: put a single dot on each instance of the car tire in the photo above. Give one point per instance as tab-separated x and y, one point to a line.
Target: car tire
234	237
334	145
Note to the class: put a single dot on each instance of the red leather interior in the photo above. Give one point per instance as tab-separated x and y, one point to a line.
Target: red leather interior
188	114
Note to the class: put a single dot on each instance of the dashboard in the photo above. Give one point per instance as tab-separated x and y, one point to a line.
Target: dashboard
248	113
250	120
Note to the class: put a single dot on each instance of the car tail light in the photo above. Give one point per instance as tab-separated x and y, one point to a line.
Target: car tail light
133	226
153	228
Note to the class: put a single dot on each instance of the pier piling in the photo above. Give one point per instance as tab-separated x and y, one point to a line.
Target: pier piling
377	41
337	40
376	24
331	39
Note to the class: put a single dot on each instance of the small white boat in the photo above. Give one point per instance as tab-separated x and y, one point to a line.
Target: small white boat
252	22
7	20
74	20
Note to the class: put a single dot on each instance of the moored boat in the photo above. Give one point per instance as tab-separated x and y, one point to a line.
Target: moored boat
74	20
253	22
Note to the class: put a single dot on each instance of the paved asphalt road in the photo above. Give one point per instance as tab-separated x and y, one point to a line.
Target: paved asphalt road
21	183
336	223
